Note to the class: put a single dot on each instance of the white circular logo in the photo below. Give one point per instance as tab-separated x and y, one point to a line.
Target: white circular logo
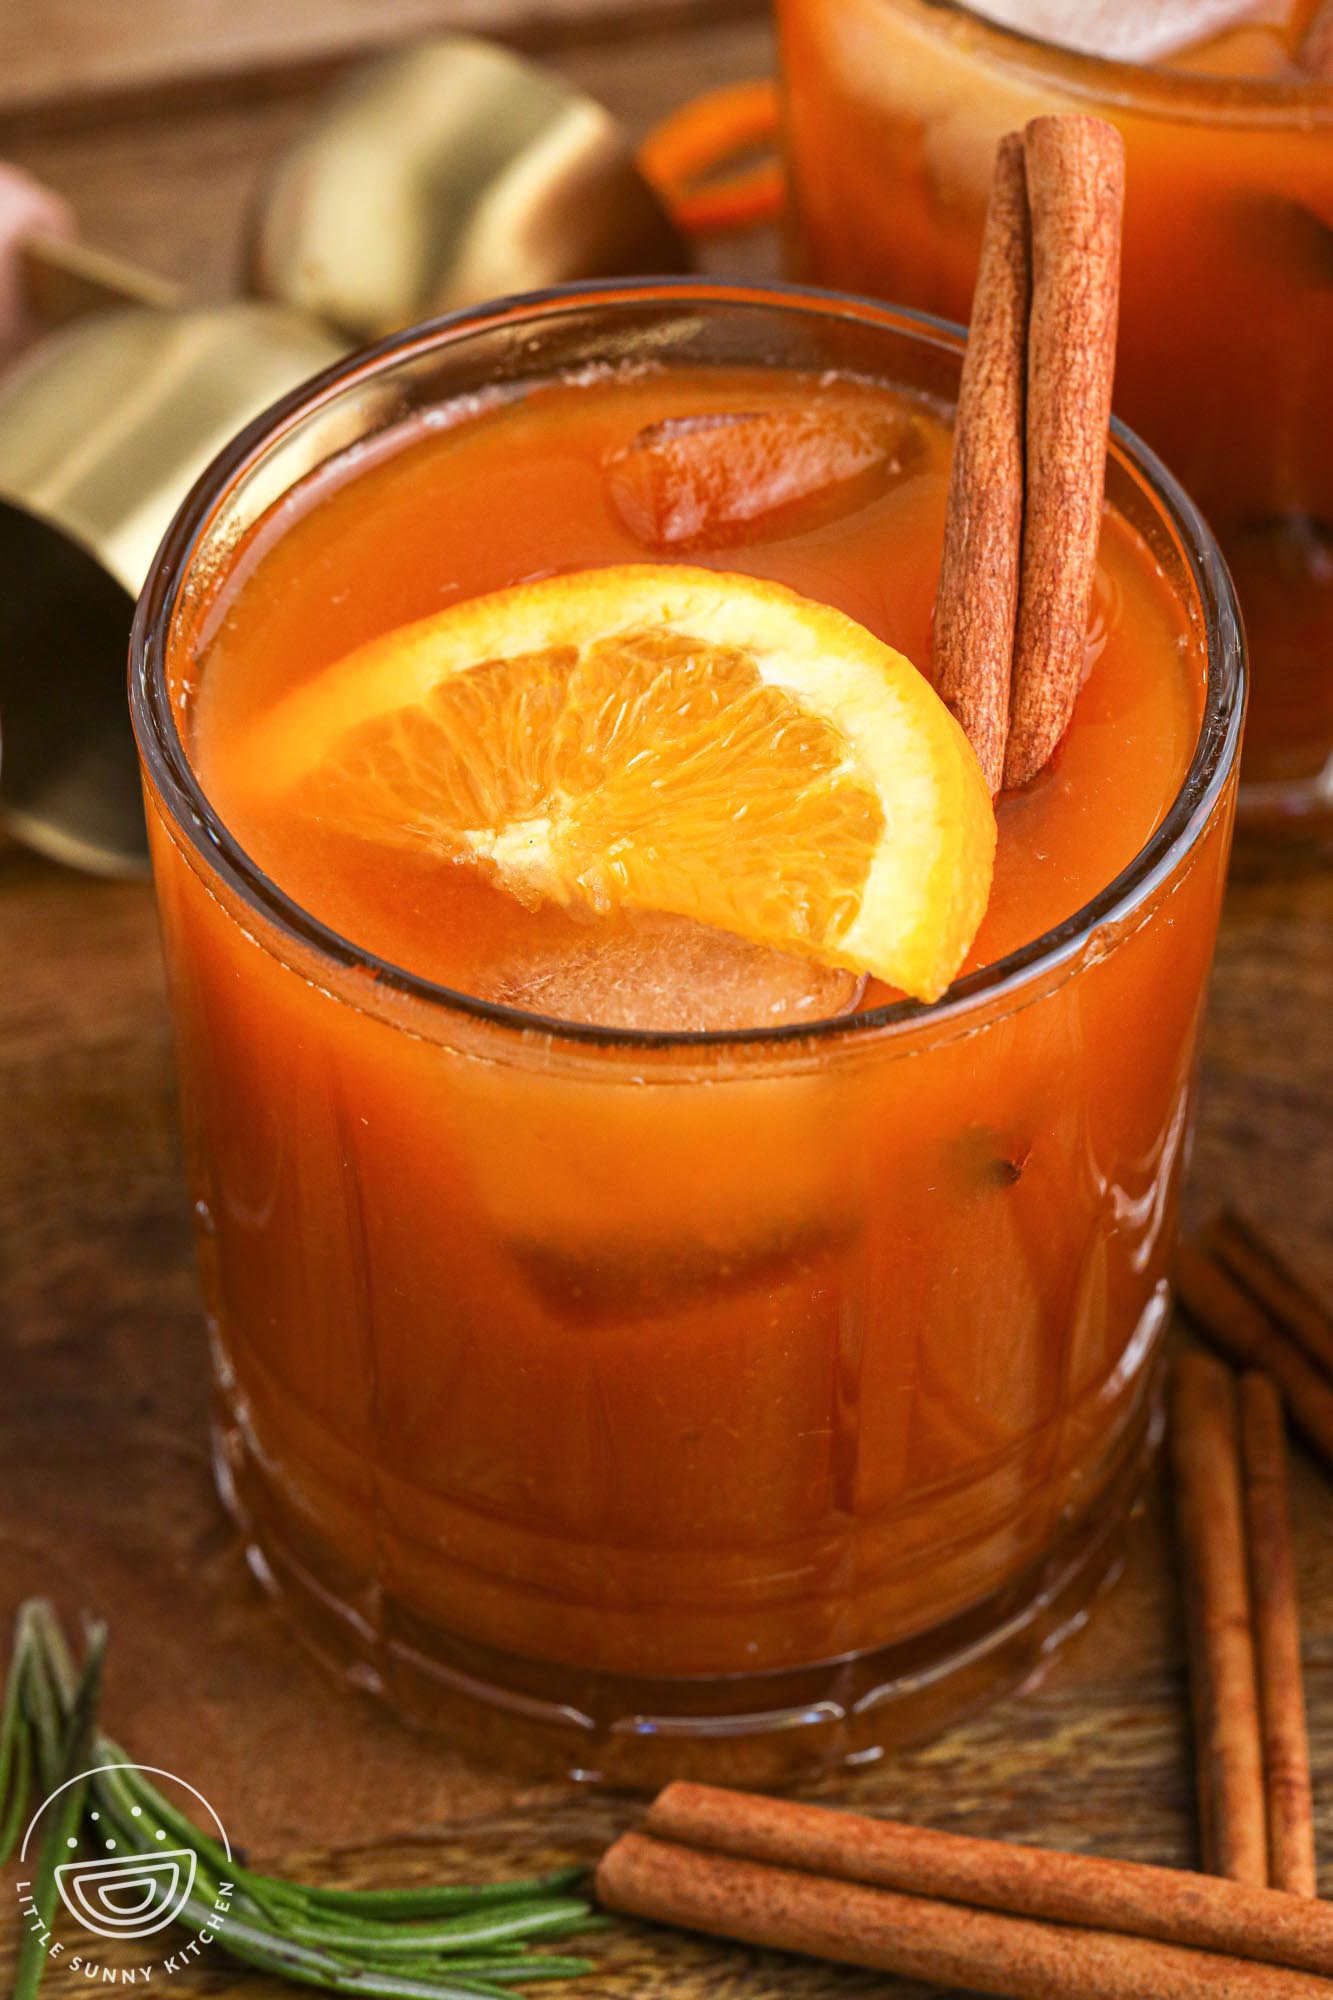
122	1893
130	1896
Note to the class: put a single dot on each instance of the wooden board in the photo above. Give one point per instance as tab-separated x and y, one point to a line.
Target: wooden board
106	1499
65	60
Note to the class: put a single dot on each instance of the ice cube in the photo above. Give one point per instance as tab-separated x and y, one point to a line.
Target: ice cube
734	476
1139	31
667	973
617	1281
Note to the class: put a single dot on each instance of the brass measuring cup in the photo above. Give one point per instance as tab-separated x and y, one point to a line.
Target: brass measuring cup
448	172
104	426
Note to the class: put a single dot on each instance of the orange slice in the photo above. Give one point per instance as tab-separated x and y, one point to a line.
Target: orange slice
664	738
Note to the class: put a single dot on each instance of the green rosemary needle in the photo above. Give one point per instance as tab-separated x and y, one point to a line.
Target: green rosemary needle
75	1750
443	1942
16	1752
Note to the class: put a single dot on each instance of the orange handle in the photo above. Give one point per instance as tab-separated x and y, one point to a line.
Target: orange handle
682	157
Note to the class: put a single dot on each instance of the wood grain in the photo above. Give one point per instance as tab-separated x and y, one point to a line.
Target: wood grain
106	1498
59	58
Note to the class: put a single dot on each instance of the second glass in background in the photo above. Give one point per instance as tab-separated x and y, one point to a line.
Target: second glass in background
893	111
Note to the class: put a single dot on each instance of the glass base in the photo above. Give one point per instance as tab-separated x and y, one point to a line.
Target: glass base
748	1730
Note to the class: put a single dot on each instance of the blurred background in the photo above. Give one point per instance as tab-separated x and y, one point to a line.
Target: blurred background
158	118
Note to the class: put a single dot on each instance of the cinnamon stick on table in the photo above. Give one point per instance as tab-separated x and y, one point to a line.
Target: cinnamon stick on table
1089	1890
920	1937
977	600
1231	1319
1259	1267
1223	1670
1286	1748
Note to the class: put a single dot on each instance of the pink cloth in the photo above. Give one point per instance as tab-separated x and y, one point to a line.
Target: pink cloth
25	208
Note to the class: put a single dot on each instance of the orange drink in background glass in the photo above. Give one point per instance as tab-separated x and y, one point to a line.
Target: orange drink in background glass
892	113
739	1398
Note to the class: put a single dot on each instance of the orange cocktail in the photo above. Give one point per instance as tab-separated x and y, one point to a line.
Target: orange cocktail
892	112
684	1356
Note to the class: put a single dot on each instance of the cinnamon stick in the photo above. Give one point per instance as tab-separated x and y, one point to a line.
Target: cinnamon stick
1075	187
1100	1894
1232	1321
1223	1672
1256	1264
1316	46
977	598
1277	1640
918	1937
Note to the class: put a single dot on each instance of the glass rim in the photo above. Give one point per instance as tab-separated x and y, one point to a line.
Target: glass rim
1205	95
167	764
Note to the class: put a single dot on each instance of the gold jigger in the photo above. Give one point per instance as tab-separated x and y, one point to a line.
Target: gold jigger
104	426
449	172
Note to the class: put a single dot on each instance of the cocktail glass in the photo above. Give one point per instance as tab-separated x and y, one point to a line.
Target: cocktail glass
892	113
648	1403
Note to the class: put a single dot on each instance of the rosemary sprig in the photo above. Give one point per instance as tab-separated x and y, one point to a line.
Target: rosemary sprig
444	1942
16	1753
78	1729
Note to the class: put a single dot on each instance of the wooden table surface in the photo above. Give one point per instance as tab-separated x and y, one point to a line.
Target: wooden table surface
158	118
